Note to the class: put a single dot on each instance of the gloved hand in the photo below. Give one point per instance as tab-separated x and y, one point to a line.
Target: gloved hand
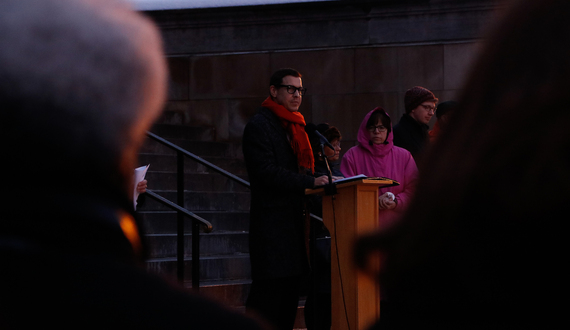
387	201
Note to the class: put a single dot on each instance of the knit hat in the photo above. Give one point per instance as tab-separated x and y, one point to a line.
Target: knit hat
416	96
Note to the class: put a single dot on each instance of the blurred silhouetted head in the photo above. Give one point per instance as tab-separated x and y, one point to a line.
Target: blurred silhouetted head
486	220
81	81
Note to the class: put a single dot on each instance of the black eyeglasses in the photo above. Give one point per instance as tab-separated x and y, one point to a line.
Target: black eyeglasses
292	89
428	108
373	129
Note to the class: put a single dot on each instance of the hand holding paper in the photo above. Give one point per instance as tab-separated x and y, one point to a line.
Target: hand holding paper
140	173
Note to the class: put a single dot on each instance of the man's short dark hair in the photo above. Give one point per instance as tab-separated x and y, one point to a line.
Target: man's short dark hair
277	77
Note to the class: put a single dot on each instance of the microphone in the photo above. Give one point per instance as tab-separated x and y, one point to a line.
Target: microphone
312	128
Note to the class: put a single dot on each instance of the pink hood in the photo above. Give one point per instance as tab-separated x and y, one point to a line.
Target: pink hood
364	140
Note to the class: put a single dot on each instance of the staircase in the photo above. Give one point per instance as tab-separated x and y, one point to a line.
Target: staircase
224	260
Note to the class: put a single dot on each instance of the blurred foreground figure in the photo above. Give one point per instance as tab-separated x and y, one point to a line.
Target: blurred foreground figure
481	244
80	83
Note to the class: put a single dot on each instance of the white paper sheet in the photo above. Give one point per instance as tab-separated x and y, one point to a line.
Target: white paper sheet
140	173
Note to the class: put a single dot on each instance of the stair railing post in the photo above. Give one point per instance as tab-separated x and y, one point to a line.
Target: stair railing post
195	256
180	217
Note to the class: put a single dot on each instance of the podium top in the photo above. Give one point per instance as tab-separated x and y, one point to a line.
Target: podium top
380	182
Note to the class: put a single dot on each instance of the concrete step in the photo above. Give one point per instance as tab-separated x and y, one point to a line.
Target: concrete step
214	243
197	201
233	294
165	222
212	268
200	148
228	221
193	181
167	161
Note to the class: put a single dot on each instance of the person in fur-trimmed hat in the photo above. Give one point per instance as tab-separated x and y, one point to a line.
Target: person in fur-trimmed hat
411	133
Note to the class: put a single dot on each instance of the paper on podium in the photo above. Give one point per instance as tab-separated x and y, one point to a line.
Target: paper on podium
360	177
140	173
351	178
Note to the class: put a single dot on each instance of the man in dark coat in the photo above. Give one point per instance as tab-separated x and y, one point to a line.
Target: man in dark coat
411	132
82	80
279	162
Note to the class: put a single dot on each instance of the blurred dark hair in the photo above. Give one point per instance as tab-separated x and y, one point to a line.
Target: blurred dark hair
68	129
445	108
474	237
329	132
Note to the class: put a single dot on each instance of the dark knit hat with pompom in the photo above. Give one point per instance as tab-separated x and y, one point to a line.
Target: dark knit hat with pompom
416	96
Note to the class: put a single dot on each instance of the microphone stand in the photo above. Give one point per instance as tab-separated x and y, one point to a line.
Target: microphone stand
330	188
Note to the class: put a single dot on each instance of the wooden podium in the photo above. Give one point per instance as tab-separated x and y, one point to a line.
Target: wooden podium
352	211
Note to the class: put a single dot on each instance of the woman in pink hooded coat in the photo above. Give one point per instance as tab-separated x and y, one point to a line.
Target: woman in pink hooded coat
377	156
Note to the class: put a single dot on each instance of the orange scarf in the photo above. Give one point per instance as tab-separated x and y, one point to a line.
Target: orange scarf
294	124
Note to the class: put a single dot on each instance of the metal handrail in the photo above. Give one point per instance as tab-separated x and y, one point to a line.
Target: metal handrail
198	159
207	164
208	226
184	212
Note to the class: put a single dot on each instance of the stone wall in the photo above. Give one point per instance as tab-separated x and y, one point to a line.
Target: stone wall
354	56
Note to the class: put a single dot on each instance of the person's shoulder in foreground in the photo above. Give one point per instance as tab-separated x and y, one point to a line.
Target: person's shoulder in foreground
82	81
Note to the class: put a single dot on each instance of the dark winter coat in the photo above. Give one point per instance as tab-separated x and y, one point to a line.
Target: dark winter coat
411	135
277	237
67	262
